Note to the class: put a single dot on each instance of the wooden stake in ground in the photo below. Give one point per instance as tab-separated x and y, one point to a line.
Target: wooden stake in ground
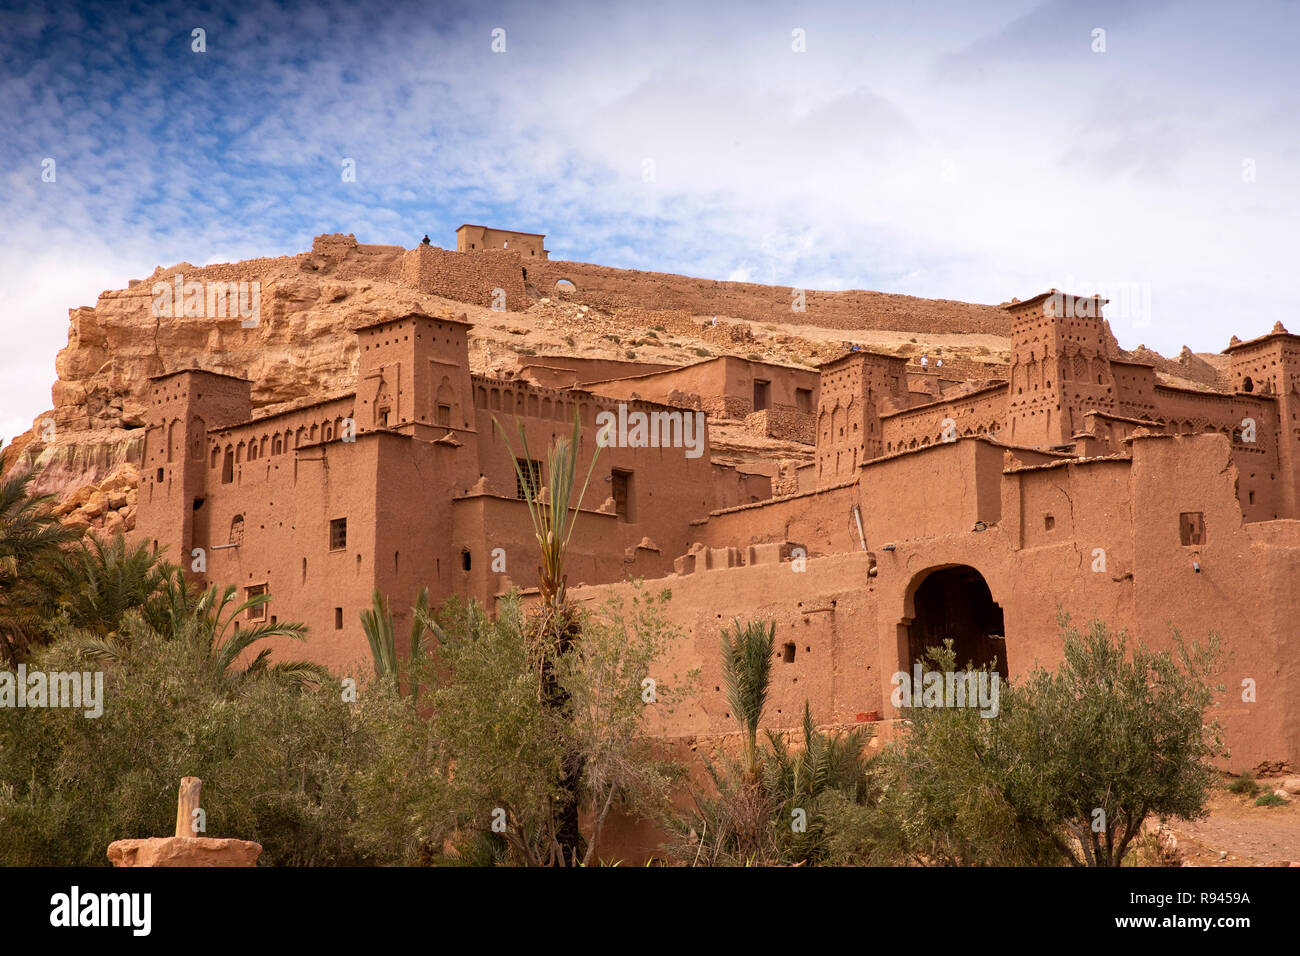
186	803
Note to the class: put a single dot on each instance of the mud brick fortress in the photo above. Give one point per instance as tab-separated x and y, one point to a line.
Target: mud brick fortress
972	501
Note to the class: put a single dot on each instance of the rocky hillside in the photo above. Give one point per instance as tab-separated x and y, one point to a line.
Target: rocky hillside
302	345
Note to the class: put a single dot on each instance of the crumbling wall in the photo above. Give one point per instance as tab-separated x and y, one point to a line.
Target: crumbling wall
960	369
606	288
467	276
785	423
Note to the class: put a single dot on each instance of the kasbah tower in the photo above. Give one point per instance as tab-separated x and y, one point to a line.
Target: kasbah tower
930	508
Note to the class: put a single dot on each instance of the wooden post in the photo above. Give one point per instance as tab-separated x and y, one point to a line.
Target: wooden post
186	803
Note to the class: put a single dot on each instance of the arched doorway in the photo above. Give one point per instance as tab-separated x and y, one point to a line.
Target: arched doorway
955	602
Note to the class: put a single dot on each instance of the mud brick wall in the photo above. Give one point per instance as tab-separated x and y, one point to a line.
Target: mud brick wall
466	276
786	423
606	288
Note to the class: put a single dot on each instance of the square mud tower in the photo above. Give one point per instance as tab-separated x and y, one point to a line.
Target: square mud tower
413	377
471	238
853	389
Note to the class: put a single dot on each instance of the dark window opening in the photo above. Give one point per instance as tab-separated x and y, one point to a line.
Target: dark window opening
1191	527
160	474
465	562
803	400
338	534
1049	522
444	415
528	479
621	491
1247	385
762	394
787	653
338	619
228	468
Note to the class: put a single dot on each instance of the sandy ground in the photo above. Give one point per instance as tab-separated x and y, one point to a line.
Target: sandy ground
1238	833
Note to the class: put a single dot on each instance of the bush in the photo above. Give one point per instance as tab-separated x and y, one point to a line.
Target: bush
315	780
1244	784
1072	765
508	747
1270	799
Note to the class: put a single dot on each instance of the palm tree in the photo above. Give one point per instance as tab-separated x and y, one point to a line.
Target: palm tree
828	761
31	537
377	622
800	778
203	634
554	514
553	509
103	580
747	675
736	823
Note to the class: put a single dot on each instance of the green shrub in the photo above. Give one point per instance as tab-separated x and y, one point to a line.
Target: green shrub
314	779
1244	784
1072	765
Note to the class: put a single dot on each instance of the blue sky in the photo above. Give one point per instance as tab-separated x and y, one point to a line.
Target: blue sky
974	151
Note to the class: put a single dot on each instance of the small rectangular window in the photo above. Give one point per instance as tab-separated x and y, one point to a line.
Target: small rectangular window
762	394
528	480
338	534
256	613
621	492
1191	527
444	415
338	619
